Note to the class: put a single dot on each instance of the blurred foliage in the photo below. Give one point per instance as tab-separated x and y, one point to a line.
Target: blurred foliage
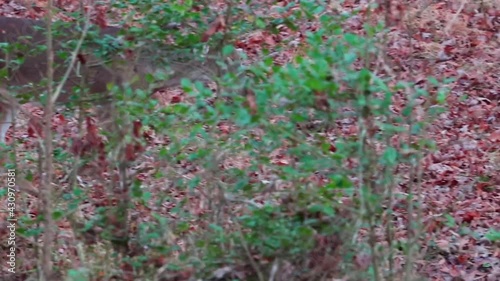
300	108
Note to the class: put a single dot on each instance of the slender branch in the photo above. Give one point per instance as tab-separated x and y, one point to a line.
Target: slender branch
47	147
255	266
74	56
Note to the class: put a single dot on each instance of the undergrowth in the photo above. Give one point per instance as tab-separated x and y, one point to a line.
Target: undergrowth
289	171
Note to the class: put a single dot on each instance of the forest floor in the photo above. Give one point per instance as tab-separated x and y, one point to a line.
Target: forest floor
461	182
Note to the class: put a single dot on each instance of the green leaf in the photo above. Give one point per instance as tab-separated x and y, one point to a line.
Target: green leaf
351	38
227	50
319	9
243	117
449	80
186	85
493	235
407	110
150	78
56	215
182	227
146	196
260	23
163	153
80	274
339	181
433	81
136	189
217	228
194	182
390	156
325	209
441	96
450	221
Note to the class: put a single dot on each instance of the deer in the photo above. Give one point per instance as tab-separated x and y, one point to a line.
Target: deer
23	68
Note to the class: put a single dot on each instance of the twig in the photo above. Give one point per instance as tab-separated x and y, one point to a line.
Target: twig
249	255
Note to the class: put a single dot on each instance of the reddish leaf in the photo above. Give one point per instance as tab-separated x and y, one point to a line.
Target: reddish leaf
462	259
332	148
176	99
470	216
137	128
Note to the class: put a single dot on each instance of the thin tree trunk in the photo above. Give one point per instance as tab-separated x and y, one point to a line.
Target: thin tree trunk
46	191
